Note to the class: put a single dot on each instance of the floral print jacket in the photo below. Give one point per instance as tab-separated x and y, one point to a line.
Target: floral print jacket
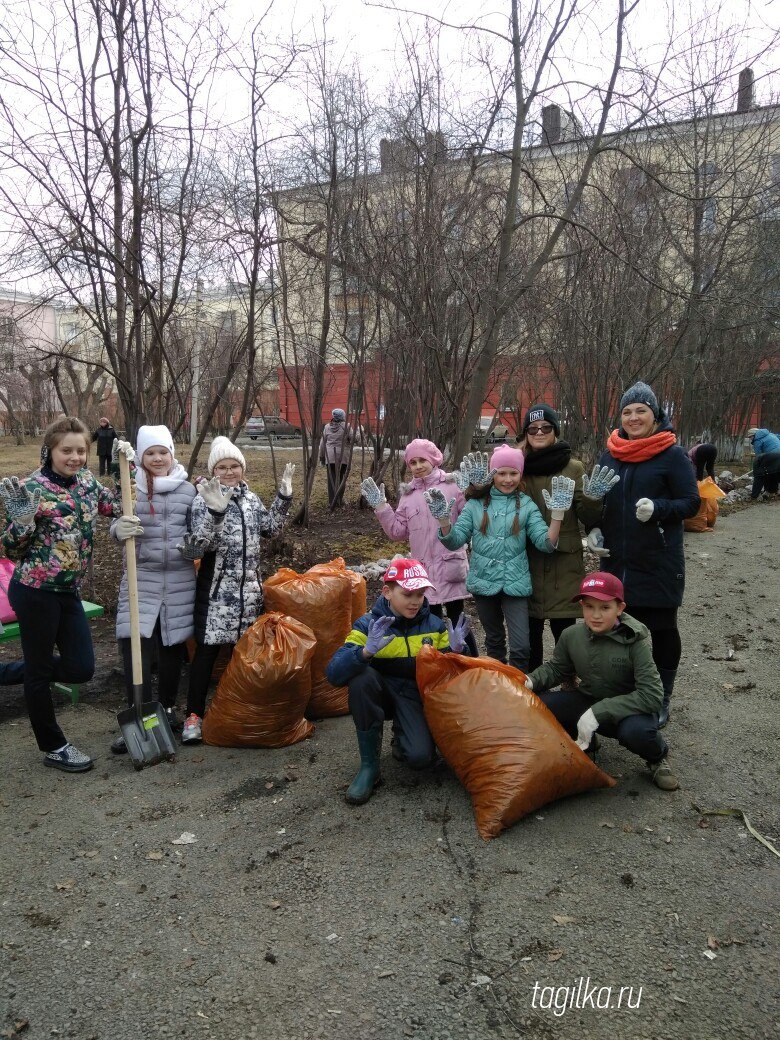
55	552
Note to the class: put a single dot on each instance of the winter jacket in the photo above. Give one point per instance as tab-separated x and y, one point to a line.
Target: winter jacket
499	561
166	581
395	662
648	557
230	593
105	437
412	522
556	577
616	669
765	441
334	446
54	554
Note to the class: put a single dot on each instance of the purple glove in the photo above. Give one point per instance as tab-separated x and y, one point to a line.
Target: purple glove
457	635
378	638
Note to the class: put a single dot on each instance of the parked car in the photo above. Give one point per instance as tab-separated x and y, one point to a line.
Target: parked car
483	435
271	426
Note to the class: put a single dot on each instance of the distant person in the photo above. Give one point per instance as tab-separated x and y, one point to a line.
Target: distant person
105	435
335	453
703	456
766	465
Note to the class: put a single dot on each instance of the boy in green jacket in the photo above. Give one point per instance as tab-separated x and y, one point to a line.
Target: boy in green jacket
620	692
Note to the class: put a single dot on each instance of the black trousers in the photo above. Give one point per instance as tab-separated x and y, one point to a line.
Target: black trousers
637	733
337	480
201	667
169	662
704	459
536	633
454	609
373	699
105	465
48	619
667	647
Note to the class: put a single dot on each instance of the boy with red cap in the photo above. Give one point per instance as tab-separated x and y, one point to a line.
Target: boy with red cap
377	665
620	691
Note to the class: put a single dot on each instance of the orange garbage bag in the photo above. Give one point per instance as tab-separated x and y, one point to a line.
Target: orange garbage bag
323	601
506	747
263	694
358	582
710	493
698	523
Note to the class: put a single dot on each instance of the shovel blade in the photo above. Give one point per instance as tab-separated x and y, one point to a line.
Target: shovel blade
147	734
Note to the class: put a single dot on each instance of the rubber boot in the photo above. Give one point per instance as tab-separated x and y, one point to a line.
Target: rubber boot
370	745
667	681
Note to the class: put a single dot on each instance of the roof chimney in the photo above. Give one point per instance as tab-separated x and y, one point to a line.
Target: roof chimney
745	99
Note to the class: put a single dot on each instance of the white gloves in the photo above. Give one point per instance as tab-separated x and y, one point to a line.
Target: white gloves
374	494
127	527
644	509
285	484
587	725
215	498
595	541
561	498
125	447
529	683
601	480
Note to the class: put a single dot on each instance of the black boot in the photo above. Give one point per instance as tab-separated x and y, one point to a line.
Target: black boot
667	681
370	745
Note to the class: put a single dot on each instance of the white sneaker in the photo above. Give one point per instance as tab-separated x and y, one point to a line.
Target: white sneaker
69	760
193	730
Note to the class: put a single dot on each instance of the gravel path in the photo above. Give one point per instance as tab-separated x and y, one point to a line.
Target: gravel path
293	916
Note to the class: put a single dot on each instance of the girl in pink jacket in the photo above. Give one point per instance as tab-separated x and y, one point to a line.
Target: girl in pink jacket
412	522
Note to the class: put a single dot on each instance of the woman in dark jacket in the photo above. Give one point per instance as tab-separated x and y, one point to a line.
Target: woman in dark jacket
641	535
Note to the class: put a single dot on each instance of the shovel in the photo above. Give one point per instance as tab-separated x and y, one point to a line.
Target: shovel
145	726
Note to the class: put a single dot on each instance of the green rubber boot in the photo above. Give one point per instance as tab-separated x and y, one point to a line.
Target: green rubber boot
368	777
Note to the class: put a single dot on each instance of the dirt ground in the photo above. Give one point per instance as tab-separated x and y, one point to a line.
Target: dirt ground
293	916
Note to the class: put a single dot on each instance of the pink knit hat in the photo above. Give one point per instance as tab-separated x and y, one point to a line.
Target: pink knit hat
422	449
504	456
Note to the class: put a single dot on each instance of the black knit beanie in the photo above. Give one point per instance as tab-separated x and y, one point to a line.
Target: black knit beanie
542	413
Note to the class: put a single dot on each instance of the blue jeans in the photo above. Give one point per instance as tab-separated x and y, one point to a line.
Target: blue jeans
637	733
12	674
48	619
373	698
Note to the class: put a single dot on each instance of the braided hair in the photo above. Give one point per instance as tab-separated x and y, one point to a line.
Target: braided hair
483	494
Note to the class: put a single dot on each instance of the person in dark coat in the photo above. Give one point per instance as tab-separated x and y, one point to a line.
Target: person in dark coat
766	465
640	539
336	454
105	435
703	456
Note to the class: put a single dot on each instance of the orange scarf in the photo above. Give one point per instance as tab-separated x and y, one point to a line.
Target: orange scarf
639	451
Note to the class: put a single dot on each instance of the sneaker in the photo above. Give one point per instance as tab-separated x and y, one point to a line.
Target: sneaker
69	760
193	730
118	747
663	776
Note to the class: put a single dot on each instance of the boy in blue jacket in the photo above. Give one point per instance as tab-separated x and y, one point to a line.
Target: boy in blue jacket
376	663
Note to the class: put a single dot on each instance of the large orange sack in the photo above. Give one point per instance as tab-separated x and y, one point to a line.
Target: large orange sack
263	694
357	583
506	747
322	599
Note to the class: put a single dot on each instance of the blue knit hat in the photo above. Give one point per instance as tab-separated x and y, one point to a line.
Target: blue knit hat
640	393
338	414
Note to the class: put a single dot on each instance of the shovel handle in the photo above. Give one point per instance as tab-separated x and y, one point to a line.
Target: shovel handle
132	577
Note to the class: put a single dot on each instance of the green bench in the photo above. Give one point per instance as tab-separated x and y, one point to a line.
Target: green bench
11	631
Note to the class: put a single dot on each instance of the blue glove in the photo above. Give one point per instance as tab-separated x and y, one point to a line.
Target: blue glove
440	508
601	480
377	634
457	635
561	498
475	468
20	505
375	496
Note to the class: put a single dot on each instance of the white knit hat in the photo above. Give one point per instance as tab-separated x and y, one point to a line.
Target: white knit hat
223	448
148	436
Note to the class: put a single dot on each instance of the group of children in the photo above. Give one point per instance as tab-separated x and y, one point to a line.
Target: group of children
51	522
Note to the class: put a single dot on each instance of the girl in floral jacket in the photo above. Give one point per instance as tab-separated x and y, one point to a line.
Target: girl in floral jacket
228	522
51	521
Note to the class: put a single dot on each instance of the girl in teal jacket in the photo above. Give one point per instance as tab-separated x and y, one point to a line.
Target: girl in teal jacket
498	519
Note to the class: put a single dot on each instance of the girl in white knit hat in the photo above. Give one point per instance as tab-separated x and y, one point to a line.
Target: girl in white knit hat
228	520
166	578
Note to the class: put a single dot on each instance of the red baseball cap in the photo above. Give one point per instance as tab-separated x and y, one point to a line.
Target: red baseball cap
409	574
600	585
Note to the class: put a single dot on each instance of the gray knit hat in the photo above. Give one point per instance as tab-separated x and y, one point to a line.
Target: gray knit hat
338	414
640	393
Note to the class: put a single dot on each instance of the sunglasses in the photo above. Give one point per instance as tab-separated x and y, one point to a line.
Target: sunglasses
539	431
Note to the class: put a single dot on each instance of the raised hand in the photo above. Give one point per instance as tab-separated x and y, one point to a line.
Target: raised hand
215	498
20	505
561	498
127	527
285	484
457	634
375	496
438	505
475	467
460	477
601	480
192	548
378	638
595	541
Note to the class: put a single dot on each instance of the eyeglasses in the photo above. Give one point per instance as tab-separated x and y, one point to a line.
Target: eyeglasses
539	431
